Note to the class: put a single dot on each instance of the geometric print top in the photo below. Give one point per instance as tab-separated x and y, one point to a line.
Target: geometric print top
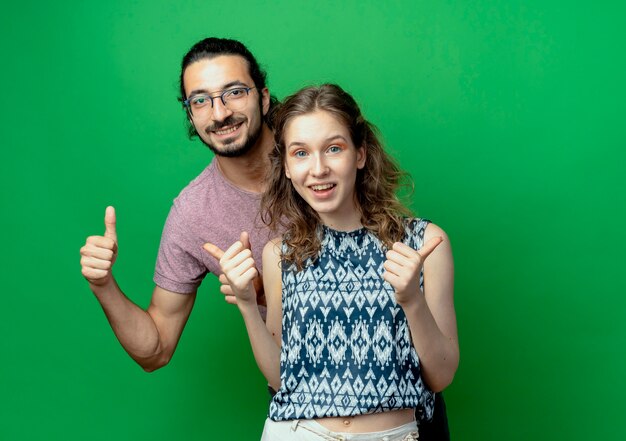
346	347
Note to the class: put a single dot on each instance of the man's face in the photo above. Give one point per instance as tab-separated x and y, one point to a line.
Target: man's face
226	132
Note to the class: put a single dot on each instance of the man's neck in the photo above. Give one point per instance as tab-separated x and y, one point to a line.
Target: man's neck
248	171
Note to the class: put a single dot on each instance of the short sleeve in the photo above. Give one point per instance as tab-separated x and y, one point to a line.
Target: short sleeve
179	267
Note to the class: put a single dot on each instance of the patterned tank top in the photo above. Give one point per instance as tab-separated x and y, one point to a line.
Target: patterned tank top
346	346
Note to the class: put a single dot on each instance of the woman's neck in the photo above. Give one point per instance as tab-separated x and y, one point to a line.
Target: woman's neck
346	221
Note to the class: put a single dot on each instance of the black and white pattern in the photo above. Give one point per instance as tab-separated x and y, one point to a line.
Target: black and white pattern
346	347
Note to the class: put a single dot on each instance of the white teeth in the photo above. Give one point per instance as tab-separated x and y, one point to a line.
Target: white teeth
227	131
322	187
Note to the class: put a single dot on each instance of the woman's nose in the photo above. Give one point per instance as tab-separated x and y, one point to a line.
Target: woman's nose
320	168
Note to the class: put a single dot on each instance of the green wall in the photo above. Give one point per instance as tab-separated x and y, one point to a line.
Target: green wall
508	114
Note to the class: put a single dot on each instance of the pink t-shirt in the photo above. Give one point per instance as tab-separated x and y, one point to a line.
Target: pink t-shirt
209	209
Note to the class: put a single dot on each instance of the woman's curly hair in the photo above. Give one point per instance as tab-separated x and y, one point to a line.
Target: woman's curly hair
282	208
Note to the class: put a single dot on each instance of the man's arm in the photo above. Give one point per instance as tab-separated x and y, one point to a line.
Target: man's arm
150	337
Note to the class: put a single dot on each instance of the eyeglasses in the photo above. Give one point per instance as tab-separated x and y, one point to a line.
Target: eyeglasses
233	99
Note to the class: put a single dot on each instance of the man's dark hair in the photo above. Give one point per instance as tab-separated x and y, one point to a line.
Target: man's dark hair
213	47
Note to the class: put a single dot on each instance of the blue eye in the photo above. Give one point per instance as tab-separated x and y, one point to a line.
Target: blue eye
334	149
300	154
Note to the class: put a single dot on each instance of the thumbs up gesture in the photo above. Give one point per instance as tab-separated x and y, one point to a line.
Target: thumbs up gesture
99	252
403	267
238	268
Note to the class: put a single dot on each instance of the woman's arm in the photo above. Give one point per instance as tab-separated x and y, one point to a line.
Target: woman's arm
273	285
239	269
431	315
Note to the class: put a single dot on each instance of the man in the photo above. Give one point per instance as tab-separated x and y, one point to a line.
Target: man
224	92
226	98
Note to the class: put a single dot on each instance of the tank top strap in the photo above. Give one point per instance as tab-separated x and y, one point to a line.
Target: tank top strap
415	229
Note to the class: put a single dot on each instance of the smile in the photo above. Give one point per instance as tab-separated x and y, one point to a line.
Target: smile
228	130
321	187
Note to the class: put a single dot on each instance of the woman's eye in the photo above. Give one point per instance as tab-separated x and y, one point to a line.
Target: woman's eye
300	154
334	149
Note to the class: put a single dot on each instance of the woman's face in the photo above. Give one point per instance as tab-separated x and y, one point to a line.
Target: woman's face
321	161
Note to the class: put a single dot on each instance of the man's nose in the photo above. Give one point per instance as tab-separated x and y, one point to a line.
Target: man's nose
220	111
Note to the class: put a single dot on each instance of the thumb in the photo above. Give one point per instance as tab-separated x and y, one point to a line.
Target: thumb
244	238
430	246
213	250
109	224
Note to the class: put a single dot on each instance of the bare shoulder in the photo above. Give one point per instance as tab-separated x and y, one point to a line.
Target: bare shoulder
271	257
433	230
271	252
273	246
441	257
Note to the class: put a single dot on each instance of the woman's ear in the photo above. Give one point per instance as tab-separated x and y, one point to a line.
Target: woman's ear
361	156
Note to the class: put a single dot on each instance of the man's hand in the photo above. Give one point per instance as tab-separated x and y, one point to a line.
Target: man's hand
240	279
403	267
99	253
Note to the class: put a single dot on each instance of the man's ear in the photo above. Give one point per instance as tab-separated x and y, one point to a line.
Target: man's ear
361	156
265	99
188	113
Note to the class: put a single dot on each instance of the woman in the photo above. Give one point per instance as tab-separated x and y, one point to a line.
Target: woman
361	327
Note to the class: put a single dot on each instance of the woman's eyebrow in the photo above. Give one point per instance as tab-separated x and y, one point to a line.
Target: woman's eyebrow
327	140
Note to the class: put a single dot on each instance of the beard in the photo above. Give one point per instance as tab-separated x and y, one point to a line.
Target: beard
233	149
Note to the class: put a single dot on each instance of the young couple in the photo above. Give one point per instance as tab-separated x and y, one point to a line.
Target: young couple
361	327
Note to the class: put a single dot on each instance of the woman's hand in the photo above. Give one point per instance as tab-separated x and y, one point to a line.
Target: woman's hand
403	267
238	268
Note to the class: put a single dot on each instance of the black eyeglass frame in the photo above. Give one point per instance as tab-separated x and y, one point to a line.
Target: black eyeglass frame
187	102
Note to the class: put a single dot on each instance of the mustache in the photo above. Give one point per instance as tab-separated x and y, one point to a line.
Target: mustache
230	121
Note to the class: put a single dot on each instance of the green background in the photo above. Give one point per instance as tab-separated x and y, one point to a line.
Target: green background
508	114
